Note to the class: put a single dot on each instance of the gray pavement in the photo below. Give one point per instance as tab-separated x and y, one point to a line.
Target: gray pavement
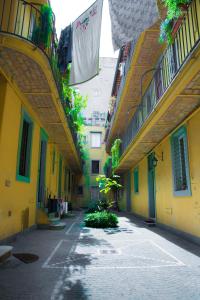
130	262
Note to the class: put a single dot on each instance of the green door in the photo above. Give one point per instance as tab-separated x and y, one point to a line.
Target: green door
60	178
151	186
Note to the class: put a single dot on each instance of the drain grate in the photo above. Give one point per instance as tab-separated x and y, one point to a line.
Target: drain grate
109	251
26	258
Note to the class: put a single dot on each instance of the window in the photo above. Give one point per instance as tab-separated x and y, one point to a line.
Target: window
136	180
95	139
24	148
180	164
95	166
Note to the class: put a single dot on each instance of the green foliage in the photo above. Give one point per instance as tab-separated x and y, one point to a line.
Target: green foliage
44	28
174	11
101	219
166	31
108	162
107	184
115	151
92	208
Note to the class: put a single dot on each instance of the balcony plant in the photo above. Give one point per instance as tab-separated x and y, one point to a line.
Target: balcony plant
175	10
115	151
43	28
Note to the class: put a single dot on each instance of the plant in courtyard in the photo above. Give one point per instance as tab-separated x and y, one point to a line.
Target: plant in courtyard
115	151
101	219
107	185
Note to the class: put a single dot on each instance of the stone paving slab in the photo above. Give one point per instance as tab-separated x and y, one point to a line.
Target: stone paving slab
132	262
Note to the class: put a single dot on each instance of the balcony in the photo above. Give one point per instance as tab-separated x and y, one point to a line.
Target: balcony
32	67
142	56
175	84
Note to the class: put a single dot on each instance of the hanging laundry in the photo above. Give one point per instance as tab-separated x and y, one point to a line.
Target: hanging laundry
86	43
129	18
65	49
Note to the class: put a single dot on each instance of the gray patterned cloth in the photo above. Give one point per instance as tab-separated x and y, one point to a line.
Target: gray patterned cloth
129	18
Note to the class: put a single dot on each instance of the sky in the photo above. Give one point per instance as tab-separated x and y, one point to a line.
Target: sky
66	11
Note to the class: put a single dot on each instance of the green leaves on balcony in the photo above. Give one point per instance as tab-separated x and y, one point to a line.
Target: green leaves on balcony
43	28
175	9
115	151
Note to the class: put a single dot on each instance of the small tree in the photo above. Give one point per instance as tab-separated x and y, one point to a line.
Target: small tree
107	185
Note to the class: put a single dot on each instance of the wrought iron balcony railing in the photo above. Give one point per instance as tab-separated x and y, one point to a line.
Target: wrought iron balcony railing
20	18
185	41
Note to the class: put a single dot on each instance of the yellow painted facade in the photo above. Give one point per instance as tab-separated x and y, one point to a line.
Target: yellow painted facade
28	86
179	212
149	147
19	199
94	154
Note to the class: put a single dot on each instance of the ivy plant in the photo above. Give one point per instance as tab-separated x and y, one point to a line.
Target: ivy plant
44	27
115	151
174	11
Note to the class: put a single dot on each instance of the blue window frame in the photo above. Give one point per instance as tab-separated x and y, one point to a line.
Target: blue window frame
136	180
180	163
24	148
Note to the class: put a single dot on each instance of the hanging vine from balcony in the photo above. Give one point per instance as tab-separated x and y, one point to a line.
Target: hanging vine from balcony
115	151
175	9
43	28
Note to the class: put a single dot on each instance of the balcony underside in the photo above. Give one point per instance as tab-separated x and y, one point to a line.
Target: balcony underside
28	68
145	56
179	101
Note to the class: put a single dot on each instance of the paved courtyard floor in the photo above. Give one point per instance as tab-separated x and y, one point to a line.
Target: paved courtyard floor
132	262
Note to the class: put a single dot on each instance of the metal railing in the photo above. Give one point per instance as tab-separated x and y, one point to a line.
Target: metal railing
20	18
121	86
186	39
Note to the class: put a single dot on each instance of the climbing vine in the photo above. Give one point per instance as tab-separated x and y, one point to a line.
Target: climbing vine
115	151
107	164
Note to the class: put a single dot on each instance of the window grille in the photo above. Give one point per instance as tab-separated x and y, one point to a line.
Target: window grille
180	162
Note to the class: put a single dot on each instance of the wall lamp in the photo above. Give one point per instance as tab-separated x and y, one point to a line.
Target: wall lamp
157	158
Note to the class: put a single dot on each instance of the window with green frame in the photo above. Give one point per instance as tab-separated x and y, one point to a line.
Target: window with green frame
136	180
24	148
180	163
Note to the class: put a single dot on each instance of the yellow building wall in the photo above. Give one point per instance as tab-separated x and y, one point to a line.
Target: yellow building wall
139	201
18	200
94	154
180	212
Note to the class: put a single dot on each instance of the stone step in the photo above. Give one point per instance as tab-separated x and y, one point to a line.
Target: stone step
58	226
5	252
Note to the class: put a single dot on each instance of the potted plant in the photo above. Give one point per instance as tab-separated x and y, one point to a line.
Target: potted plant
169	27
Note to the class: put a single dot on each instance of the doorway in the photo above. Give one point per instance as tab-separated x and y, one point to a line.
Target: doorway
42	169
151	186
